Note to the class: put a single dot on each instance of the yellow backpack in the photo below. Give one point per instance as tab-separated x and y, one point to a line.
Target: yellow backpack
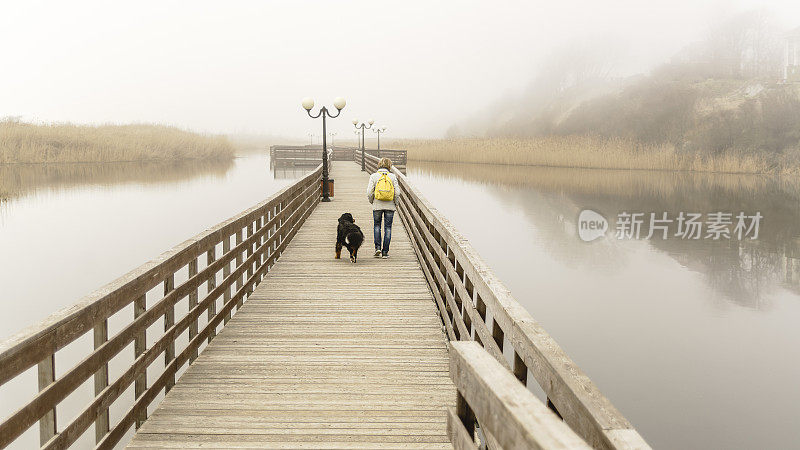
384	189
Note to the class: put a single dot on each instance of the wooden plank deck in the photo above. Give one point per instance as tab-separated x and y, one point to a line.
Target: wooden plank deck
324	353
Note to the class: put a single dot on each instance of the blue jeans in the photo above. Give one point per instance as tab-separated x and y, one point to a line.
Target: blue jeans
387	216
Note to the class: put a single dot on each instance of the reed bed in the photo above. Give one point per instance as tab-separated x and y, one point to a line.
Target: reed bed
67	143
595	153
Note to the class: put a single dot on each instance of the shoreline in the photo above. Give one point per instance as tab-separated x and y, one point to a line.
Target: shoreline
626	169
592	152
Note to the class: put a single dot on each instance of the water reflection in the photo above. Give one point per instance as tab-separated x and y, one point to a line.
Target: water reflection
20	179
287	172
694	341
740	269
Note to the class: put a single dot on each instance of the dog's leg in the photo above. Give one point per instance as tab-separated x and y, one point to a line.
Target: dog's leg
352	256
338	250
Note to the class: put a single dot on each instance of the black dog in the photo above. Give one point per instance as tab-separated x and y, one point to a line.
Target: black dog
349	235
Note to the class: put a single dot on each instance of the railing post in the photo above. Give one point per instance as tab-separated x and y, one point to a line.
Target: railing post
239	261
212	284
279	238
169	321
47	374
262	222
101	381
273	212
250	248
139	347
226	247
192	303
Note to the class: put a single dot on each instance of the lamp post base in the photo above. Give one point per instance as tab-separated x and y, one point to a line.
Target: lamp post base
325	199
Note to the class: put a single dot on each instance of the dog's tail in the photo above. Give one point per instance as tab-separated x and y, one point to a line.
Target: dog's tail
354	238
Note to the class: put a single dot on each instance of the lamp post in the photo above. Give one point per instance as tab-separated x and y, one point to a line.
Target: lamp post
363	127
339	103
311	136
358	139
332	135
379	131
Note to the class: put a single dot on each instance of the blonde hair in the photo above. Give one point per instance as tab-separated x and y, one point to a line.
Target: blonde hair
385	163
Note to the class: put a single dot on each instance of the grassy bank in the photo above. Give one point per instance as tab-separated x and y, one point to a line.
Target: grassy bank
594	152
29	143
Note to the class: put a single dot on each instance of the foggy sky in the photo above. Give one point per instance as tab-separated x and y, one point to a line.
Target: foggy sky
414	66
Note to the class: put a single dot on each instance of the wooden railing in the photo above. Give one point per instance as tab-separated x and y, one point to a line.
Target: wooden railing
283	155
475	305
309	153
490	395
399	157
212	267
305	155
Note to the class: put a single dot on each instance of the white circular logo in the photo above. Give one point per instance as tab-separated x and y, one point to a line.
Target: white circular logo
591	225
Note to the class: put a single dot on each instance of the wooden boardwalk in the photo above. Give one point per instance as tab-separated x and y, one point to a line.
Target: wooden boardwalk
324	353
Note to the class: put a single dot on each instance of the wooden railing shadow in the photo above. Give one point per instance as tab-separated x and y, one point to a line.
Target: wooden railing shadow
475	305
228	270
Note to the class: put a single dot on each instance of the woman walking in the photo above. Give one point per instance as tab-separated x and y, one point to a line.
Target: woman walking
383	191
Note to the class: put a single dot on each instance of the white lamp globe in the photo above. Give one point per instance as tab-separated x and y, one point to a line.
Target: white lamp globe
355	121
371	121
339	103
308	103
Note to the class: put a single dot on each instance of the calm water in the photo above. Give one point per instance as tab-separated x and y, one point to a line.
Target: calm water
696	342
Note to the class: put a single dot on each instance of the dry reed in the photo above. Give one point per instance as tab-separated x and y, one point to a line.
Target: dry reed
29	143
593	152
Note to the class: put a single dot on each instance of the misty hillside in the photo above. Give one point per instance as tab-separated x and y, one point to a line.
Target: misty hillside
724	93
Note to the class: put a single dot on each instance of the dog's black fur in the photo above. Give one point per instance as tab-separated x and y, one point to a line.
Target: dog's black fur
349	235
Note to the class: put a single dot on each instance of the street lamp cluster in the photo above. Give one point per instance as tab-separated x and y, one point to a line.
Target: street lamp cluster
360	128
379	131
339	103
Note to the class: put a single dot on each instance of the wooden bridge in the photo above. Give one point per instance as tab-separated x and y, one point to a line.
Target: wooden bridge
251	335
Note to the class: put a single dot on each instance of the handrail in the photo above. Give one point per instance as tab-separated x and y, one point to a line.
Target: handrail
261	234
302	155
510	414
475	305
399	157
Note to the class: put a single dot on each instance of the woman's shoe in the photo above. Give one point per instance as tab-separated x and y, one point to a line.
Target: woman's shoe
377	254
385	256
